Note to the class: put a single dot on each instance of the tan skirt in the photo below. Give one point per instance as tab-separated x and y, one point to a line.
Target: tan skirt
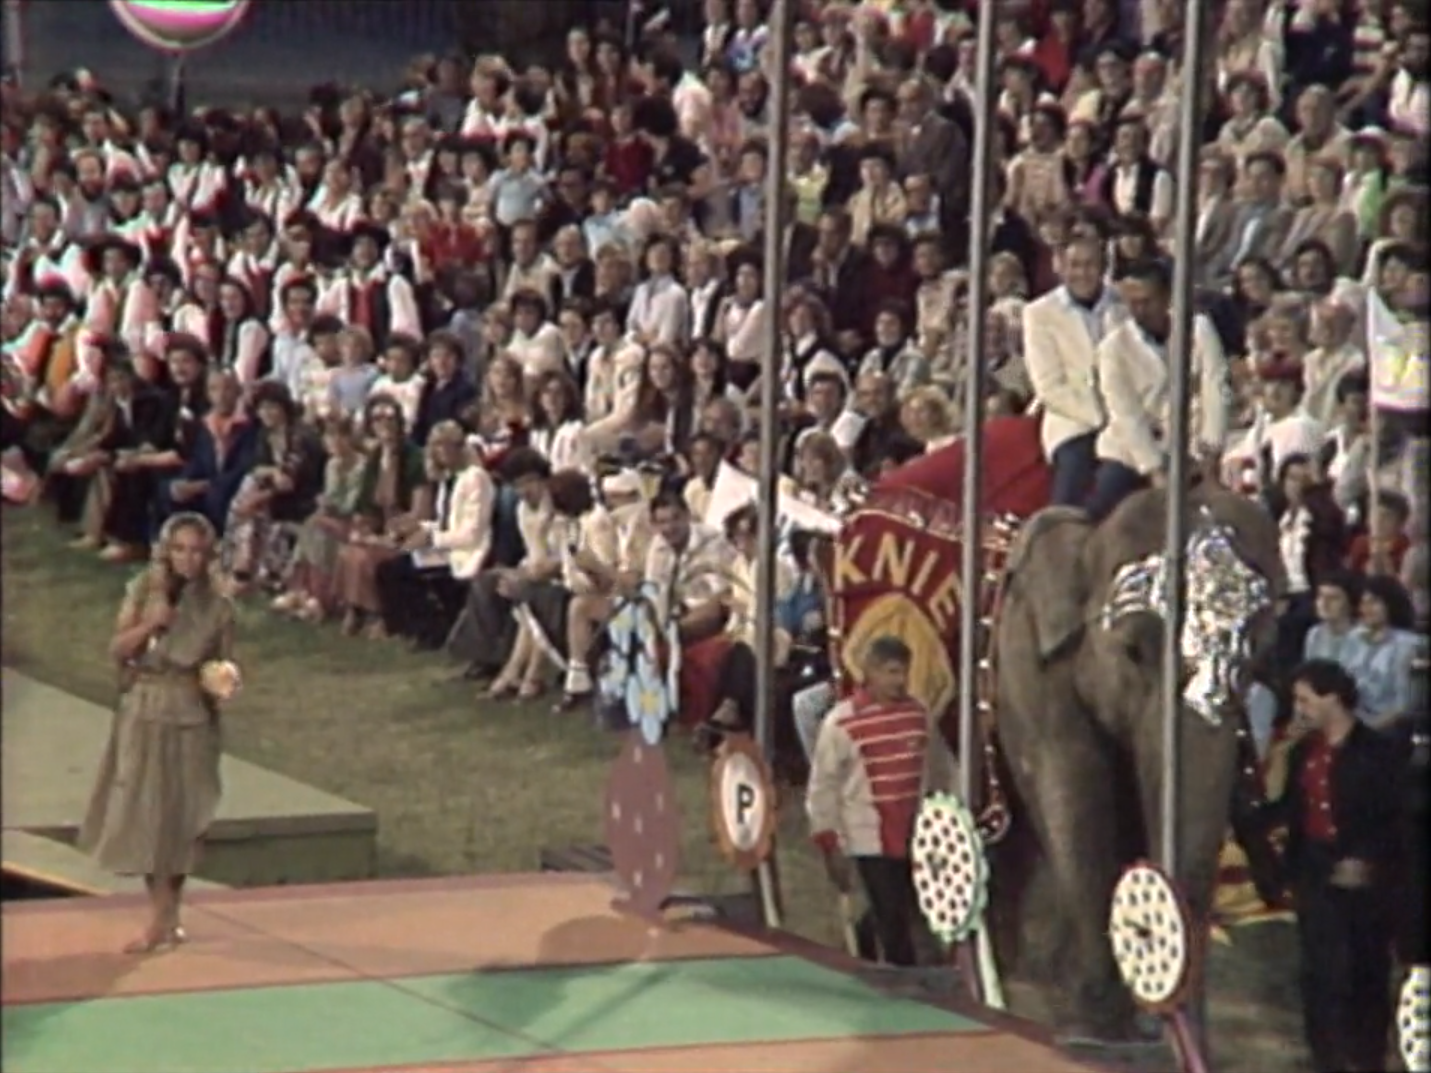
155	796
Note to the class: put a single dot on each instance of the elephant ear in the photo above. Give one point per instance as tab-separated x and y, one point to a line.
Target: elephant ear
1047	564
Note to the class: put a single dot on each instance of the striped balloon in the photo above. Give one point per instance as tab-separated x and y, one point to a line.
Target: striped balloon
179	25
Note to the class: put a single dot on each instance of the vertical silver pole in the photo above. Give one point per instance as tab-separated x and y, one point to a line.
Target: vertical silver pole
1180	359
15	38
1195	26
971	565
176	84
779	46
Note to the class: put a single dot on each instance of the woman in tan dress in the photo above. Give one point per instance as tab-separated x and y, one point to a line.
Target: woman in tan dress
158	784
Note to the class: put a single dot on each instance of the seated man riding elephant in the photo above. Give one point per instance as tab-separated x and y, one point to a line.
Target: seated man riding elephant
1075	651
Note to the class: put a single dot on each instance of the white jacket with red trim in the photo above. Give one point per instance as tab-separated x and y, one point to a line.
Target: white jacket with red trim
873	764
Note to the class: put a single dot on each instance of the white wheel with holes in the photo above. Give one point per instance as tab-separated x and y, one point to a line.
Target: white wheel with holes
951	873
1413	1019
1148	927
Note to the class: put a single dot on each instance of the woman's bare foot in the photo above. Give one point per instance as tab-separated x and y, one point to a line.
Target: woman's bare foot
530	690
86	543
310	612
154	937
352	622
287	602
121	553
501	689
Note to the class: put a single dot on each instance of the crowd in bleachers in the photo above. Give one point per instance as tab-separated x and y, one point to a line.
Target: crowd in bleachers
461	361
348	332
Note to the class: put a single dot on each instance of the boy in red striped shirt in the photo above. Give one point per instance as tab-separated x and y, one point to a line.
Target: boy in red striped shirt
877	754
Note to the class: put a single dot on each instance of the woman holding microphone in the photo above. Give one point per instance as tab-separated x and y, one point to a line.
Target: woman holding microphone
158	784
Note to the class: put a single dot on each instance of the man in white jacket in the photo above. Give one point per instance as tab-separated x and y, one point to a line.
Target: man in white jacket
1134	374
1062	331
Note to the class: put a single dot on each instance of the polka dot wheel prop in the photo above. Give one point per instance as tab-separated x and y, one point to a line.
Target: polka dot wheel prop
1149	930
1413	1020
951	874
643	828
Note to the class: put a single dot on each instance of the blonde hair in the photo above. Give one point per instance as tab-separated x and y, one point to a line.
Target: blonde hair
1011	263
821	445
175	524
359	338
931	407
1289	307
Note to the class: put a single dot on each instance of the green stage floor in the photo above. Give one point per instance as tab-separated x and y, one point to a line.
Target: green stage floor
460	1017
518	974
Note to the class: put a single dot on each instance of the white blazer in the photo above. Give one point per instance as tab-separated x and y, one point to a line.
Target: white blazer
1133	377
252	341
467	536
1062	361
565	446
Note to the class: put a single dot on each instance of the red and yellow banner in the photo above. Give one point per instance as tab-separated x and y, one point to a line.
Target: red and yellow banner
895	572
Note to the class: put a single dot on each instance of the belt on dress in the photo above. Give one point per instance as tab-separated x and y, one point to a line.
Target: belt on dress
165	673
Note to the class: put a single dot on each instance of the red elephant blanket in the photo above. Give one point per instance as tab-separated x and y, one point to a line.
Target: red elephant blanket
895	565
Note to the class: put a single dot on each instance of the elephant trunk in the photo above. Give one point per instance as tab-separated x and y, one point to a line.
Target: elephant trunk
1207	764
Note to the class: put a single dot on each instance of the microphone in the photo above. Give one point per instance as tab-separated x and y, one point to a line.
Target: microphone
174	585
174	588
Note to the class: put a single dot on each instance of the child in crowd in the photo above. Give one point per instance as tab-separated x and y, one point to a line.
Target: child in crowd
351	381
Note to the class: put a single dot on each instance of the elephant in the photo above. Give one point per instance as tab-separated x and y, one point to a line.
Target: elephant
1080	736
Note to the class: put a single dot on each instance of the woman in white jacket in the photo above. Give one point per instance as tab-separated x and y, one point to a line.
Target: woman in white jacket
557	429
741	324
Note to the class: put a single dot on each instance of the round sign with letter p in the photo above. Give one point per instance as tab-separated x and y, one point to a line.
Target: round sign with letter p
743	803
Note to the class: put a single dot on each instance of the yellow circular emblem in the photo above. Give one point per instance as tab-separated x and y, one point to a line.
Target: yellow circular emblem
931	674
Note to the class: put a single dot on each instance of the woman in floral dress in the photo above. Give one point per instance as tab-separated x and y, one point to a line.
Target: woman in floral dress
277	495
309	592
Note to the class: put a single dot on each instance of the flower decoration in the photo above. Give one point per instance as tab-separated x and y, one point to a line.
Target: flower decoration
220	679
616	669
621	629
647	701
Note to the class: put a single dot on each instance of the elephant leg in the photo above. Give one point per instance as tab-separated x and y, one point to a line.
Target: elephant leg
1208	765
1067	785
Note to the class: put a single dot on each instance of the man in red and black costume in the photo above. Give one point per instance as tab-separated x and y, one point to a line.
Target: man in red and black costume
1342	809
366	294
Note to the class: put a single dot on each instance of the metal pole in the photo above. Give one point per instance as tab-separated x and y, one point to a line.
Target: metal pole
15	39
176	84
775	215
971	564
1195	25
1180	360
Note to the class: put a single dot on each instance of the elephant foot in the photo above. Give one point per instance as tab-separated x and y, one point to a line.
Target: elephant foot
1129	1039
1135	1032
1112	1045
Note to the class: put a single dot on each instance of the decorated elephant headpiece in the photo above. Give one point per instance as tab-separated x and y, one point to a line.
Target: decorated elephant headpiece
1224	596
